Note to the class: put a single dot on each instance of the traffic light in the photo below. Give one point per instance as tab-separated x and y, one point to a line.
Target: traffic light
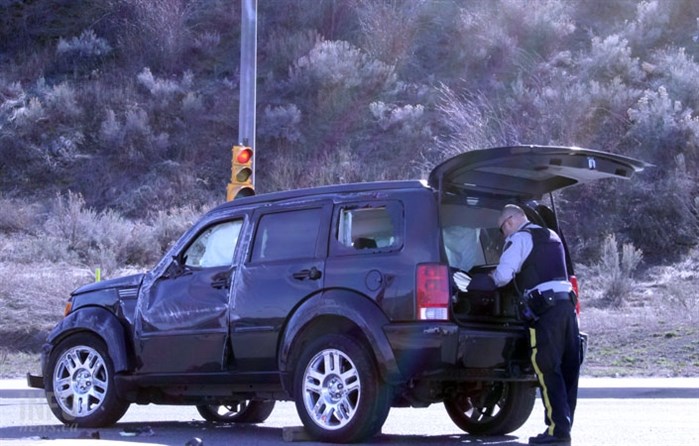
241	184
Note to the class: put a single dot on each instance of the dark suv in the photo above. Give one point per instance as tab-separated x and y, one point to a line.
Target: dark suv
339	298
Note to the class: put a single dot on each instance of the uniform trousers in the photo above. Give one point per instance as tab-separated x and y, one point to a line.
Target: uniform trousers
555	355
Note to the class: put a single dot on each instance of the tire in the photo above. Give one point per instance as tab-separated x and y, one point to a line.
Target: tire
80	383
502	408
339	395
245	411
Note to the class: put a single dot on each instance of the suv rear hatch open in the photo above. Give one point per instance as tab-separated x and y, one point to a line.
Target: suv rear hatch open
527	172
474	186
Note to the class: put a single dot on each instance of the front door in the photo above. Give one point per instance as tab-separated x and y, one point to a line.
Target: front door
183	314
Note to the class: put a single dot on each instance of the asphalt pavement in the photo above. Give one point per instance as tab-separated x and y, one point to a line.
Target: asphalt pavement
589	388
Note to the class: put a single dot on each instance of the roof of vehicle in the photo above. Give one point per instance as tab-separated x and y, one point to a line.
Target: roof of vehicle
329	190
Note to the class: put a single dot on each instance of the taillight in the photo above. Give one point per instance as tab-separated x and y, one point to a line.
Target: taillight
574	281
432	290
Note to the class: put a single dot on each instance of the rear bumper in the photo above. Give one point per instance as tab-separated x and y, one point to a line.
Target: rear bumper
451	352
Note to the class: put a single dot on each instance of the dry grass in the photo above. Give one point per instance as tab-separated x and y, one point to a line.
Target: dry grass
33	297
655	332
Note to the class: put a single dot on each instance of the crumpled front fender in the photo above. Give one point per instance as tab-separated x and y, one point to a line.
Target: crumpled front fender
98	321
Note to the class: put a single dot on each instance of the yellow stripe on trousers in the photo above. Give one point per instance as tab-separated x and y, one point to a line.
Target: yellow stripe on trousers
540	376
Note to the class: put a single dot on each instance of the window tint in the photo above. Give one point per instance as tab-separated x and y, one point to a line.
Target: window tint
215	246
287	235
367	228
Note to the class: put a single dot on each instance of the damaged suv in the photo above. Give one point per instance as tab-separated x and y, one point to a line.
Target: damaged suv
339	298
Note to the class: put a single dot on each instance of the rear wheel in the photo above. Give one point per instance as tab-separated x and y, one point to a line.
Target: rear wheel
245	411
80	388
501	408
340	397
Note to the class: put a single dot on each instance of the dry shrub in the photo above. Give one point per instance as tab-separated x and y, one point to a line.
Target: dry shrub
167	226
18	216
615	270
99	239
678	287
78	235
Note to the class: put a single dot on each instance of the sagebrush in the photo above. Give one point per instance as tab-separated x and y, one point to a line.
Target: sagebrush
134	104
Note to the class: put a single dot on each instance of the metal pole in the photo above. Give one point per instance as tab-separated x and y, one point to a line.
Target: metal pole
248	76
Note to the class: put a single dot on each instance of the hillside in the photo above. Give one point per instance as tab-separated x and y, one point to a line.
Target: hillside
133	104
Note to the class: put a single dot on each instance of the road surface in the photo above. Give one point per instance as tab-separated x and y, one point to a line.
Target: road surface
599	422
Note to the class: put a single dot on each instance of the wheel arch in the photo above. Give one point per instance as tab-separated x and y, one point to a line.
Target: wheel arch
338	311
99	322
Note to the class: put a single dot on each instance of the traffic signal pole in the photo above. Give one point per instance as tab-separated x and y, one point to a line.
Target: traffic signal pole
248	73
246	115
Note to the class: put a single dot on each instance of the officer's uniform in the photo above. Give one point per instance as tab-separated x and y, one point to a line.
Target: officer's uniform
536	258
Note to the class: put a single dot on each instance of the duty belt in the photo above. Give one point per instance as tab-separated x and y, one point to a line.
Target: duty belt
562	296
535	302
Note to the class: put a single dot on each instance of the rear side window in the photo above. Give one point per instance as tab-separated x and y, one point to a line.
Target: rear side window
287	235
362	229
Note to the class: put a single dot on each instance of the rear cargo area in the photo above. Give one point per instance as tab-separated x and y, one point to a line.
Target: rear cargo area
472	243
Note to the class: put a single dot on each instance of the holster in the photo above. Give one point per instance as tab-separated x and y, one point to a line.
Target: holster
534	303
540	302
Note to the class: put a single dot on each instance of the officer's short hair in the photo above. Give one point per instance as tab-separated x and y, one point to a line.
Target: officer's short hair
511	210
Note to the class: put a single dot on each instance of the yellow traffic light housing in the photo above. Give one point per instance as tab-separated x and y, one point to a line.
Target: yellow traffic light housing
241	184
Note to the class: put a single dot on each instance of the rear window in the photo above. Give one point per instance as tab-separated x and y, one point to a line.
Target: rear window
471	236
369	227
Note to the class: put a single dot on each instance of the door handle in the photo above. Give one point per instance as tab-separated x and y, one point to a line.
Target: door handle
312	274
221	281
220	284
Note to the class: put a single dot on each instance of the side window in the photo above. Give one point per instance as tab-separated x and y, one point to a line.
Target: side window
215	246
287	235
366	228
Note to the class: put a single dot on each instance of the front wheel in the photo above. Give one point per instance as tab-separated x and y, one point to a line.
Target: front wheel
80	388
245	411
500	408
340	397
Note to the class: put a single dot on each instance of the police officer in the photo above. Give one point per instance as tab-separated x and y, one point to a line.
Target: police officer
534	258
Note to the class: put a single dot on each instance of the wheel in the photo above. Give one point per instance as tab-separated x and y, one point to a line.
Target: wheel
245	411
80	389
500	409
340	397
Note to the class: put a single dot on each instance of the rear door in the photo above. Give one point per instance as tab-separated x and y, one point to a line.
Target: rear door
285	265
366	241
527	172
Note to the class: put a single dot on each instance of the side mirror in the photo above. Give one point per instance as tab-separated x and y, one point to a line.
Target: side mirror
176	268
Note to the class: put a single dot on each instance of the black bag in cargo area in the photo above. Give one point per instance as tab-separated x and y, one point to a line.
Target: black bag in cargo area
480	299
